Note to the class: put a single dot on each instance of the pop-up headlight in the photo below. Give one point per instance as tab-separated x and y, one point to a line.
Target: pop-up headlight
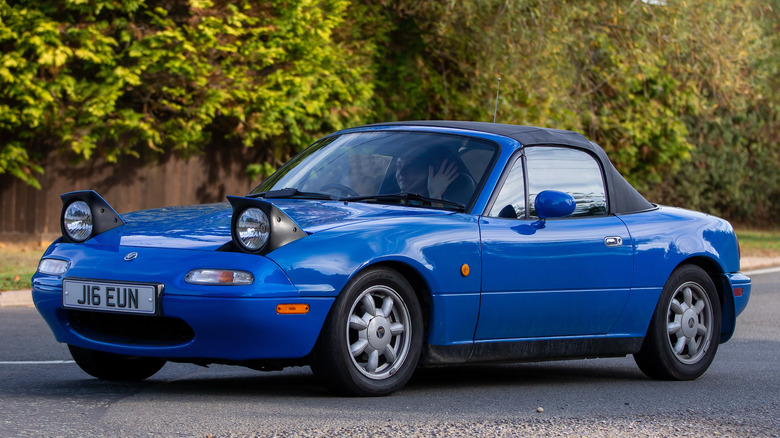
259	227
86	214
77	221
253	229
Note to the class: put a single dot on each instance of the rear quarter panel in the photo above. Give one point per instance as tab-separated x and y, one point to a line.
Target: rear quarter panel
666	237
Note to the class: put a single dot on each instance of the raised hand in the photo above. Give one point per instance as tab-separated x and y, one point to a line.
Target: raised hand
438	182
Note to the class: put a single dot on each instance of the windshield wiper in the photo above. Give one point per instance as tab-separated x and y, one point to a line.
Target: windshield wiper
407	198
291	193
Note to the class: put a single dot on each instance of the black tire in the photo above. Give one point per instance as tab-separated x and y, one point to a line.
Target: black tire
108	366
684	333
387	346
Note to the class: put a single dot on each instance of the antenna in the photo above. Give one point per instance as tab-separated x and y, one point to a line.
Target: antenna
498	90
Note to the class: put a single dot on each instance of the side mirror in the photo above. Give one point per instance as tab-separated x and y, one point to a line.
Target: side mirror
553	204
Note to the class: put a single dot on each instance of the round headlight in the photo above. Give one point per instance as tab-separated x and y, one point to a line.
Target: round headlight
77	221
253	229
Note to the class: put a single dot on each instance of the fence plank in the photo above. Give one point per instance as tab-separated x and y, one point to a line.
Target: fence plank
130	185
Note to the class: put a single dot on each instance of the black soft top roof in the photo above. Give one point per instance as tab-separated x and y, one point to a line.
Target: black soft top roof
623	198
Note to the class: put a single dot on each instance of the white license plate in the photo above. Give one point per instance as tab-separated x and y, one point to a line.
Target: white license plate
110	296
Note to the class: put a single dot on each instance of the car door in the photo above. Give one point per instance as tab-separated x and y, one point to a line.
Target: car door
559	277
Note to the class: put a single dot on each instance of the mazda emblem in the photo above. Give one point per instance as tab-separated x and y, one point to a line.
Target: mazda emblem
131	256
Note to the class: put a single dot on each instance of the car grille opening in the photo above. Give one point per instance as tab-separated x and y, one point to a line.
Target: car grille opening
130	329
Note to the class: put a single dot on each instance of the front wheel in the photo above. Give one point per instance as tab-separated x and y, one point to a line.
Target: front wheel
108	366
685	330
371	341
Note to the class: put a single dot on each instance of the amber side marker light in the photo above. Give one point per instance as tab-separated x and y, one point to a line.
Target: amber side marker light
292	309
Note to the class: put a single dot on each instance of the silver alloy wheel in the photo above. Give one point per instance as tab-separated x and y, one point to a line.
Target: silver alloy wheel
689	322
379	332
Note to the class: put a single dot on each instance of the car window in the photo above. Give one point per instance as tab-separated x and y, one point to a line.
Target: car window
570	171
510	202
552	168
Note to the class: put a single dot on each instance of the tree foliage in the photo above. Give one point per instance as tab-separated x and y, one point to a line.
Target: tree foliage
119	77
733	170
680	93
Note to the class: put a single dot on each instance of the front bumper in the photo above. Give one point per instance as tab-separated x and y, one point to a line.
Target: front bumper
226	323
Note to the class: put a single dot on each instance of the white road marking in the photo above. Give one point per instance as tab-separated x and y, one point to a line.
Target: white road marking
34	362
762	271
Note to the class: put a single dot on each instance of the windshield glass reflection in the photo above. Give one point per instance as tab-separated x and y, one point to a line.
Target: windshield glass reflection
368	165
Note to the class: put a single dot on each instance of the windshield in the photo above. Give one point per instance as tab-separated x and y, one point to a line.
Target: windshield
386	166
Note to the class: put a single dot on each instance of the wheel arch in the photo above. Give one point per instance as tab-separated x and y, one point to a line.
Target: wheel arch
420	286
722	286
335	371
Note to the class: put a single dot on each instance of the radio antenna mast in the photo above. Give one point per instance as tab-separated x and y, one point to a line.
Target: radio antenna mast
498	90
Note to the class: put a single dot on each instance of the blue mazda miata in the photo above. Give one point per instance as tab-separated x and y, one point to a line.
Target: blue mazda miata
386	247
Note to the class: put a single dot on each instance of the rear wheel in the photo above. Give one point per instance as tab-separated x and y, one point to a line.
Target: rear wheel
370	343
108	366
685	330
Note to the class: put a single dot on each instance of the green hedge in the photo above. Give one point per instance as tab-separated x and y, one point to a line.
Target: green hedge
118	77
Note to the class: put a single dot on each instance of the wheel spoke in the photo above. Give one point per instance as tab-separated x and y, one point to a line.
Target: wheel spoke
673	327
358	347
373	361
368	304
680	346
693	347
389	354
387	306
396	328
701	330
676	307
699	307
688	296
357	323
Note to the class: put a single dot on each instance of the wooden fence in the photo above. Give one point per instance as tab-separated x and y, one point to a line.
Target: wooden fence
28	214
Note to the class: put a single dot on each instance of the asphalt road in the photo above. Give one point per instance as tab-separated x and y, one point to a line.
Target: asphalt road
42	393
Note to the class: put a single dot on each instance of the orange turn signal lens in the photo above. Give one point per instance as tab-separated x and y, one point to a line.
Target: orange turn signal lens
292	309
465	270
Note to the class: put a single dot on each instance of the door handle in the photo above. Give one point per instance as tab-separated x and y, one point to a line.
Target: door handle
613	241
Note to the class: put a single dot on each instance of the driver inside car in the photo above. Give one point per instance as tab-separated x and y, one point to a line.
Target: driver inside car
435	173
415	176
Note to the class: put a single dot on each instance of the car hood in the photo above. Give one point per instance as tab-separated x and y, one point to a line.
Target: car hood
207	227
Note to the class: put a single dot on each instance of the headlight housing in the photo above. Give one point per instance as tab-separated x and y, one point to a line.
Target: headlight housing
253	229
85	214
77	221
259	227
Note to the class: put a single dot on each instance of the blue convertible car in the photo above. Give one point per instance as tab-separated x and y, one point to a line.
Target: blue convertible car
391	246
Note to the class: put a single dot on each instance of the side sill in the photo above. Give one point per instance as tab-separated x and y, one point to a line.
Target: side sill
530	350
